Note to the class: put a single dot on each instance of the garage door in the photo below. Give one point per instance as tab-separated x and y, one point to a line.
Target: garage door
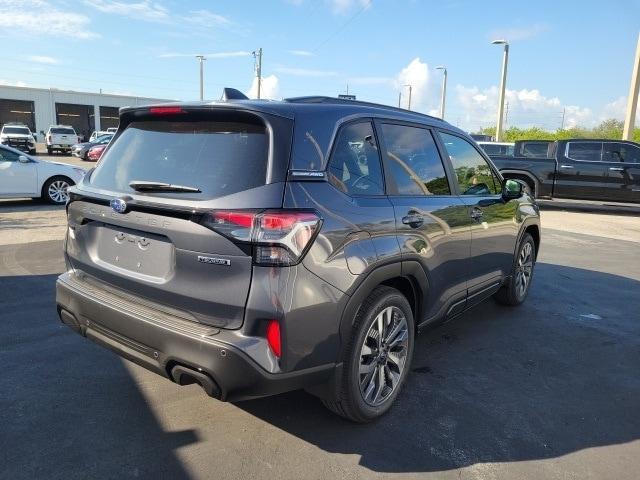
109	117
17	111
80	117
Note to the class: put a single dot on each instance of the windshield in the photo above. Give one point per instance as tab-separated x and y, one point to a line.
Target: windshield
16	131
218	158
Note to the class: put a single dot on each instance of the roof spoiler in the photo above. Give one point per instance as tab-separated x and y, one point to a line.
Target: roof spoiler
232	94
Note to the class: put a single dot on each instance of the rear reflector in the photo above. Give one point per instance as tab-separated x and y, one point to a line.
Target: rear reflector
165	110
273	337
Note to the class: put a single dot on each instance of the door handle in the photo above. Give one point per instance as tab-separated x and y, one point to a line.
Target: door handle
476	213
566	166
413	219
616	169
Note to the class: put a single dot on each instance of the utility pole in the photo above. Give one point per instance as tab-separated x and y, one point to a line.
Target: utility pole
632	100
258	59
201	59
399	98
564	110
444	89
503	86
409	103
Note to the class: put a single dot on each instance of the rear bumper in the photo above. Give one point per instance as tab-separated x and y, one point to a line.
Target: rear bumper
169	347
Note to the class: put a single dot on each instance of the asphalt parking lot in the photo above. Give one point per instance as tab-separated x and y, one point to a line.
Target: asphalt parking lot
547	390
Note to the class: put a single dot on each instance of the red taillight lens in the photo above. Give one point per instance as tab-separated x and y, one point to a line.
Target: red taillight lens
273	337
165	110
281	236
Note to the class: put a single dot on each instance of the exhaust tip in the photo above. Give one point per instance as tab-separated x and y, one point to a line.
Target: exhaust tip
184	375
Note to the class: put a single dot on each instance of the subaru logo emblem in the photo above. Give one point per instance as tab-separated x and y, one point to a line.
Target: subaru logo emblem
118	205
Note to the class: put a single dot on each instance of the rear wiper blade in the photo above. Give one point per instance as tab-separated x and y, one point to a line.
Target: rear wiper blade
144	186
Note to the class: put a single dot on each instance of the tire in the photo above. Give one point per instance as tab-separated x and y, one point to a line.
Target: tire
54	190
513	293
49	150
363	397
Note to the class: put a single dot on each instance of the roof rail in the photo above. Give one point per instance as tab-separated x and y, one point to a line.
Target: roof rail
344	101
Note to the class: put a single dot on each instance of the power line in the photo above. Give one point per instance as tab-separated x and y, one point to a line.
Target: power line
344	25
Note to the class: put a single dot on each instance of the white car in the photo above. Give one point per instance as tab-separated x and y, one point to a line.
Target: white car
23	176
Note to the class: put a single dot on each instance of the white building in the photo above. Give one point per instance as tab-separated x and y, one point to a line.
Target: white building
40	107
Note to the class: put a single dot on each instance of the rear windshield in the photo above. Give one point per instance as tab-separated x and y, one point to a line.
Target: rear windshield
16	130
64	131
219	158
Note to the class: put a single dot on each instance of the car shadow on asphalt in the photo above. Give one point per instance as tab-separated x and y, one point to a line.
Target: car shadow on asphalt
554	376
67	408
27	204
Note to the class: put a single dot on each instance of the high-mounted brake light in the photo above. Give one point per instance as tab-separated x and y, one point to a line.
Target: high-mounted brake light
165	110
281	237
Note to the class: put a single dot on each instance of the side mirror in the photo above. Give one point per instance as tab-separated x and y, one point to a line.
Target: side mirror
511	189
23	159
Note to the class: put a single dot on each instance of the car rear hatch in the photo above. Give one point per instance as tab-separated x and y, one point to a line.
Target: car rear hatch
63	136
143	223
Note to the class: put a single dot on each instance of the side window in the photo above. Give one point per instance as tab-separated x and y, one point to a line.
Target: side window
354	167
589	151
414	162
473	173
620	152
535	149
8	156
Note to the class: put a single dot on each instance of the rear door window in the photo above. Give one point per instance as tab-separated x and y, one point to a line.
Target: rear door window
474	174
219	158
585	151
354	167
63	131
414	162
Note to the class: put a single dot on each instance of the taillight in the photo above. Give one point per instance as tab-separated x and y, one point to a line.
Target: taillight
281	237
273	337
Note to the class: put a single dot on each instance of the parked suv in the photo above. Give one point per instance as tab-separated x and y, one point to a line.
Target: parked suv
60	138
258	247
18	136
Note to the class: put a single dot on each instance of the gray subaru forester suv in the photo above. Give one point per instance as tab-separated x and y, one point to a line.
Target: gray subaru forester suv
256	247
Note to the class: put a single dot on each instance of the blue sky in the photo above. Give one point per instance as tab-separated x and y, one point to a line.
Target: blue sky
566	56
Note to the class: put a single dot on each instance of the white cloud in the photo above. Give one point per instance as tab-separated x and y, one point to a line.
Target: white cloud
144	10
615	109
301	53
38	17
270	88
526	108
415	74
513	34
43	59
207	55
306	72
11	83
207	18
344	6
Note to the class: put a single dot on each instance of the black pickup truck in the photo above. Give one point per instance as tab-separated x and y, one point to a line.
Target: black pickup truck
578	169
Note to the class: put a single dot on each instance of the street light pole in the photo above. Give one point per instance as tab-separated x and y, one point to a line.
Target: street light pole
201	58
257	55
409	103
632	101
503	86
444	89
